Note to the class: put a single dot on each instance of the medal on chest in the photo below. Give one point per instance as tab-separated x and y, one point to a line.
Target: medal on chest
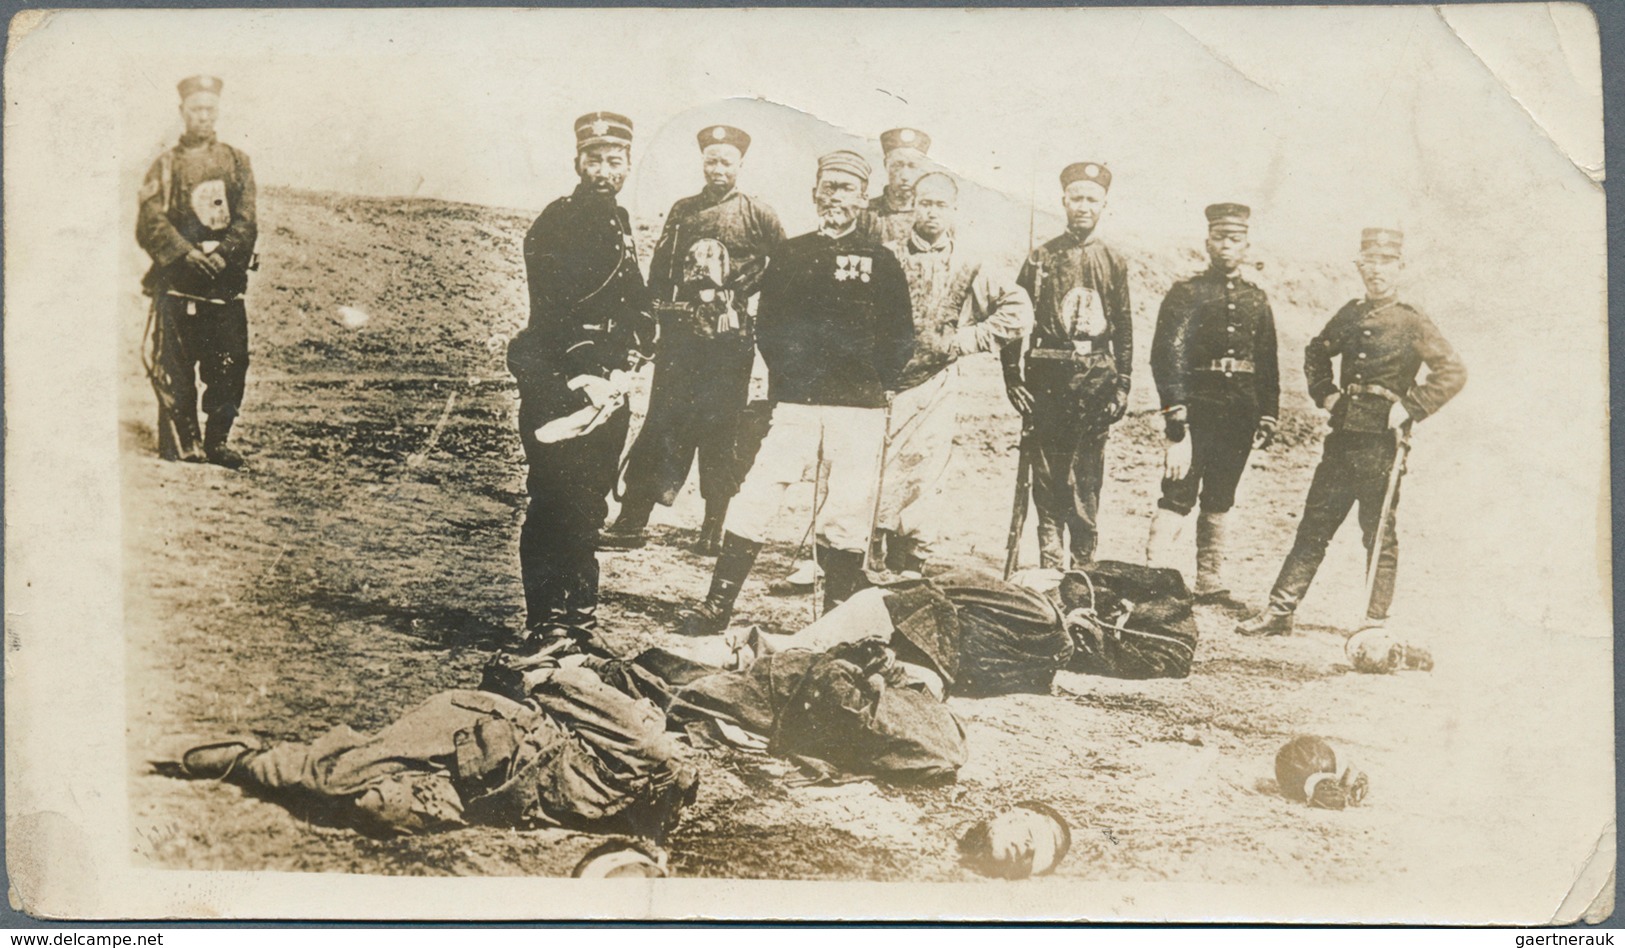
853	266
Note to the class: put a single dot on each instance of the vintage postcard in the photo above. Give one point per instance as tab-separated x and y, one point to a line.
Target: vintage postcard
1076	464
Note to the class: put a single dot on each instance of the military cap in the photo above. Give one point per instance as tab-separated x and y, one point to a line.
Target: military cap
724	135
603	128
848	161
897	138
193	84
1381	242
1087	171
1228	216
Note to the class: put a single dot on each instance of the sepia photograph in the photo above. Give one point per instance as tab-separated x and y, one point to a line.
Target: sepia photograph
821	464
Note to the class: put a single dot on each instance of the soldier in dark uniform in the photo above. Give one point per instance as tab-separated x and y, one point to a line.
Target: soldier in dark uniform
588	319
705	272
1213	357
197	222
835	328
1075	382
890	217
1383	344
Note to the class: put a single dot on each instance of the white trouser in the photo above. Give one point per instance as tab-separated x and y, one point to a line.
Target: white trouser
851	440
923	420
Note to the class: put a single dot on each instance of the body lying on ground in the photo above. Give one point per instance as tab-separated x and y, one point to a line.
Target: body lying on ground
575	753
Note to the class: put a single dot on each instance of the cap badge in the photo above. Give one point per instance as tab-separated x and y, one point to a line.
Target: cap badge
1091	170
906	135
600	127
719	133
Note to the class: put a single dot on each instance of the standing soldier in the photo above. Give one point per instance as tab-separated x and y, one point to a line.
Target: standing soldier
1214	360
1383	344
705	272
197	222
1075	382
835	330
960	308
588	317
890	217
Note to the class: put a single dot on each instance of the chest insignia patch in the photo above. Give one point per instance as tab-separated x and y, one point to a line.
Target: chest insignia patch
210	205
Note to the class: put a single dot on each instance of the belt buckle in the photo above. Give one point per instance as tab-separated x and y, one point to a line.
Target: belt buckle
1227	365
1083	347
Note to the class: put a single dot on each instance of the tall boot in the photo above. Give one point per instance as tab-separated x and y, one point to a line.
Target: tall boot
843	575
733	566
627	531
710	541
1167	527
1210	543
1051	550
581	611
215	434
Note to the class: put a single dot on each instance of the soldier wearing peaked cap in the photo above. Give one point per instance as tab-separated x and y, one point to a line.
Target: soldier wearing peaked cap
1071	383
835	330
197	222
703	279
1214	360
890	216
588	325
1382	344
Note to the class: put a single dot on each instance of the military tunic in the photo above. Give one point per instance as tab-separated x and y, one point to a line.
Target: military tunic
1078	364
588	313
702	376
198	195
1214	353
887	219
1382	346
961	307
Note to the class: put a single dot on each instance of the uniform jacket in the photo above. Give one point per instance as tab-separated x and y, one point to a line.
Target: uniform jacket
588	304
1072	267
1385	345
200	190
886	222
834	322
959	307
744	224
1208	318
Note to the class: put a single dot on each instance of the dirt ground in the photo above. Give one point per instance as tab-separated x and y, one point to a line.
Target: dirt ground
367	557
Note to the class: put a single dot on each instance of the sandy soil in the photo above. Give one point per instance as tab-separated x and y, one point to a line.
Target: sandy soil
367	558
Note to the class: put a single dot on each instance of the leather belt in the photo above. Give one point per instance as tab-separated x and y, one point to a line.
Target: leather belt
1228	366
1082	350
1360	388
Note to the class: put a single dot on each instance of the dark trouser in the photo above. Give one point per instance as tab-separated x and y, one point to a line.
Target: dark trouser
700	387
195	341
1353	469
568	483
1221	440
1069	466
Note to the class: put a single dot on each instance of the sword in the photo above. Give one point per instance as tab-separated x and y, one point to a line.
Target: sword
1402	448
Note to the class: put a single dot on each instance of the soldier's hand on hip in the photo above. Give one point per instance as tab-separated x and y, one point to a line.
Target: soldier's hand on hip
1265	435
1332	400
1021	398
1398	415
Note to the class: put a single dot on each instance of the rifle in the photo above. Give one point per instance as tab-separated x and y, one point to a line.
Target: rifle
1018	515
